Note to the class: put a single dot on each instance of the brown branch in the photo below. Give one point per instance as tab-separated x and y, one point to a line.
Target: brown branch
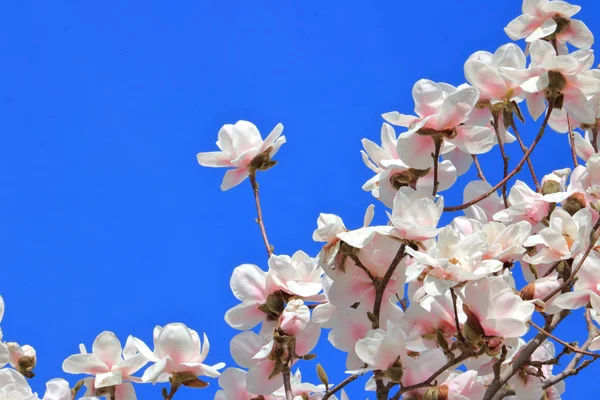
529	163
514	171
382	285
479	170
522	358
454	305
436	160
567	345
504	158
287	384
340	386
572	140
260	219
360	265
595	137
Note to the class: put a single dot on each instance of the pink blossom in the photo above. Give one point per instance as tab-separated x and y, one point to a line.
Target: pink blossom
415	215
13	386
441	108
177	348
294	318
542	19
484	210
464	385
348	326
299	275
497	309
233	386
551	77
526	384
240	144
302	390
249	285
252	351
108	363
392	173
587	286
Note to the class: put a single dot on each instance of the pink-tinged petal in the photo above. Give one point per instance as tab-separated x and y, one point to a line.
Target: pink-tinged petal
456	107
244	346
125	391
483	56
154	372
446	177
248	283
273	136
56	389
505	327
578	107
277	145
578	34
509	55
558	121
415	150
233	177
308	339
84	364
521	26
595	345
347	288
107	348
245	136
563	63
224	138
532	6
133	364
428	97
536	84
144	349
540	50
548	27
205	347
395	118
178	342
214	159
108	379
583	147
560	7
462	161
573	300
376	153
536	104
257	379
244	316
485	78
474	139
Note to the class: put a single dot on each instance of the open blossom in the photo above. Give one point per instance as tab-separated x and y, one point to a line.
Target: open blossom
302	390
22	358
261	355
109	364
454	259
559	79
298	275
586	289
442	112
13	386
586	181
392	173
484	210
177	348
527	205
415	215
545	19
233	386
463	386
240	144
348	326
565	238
495	310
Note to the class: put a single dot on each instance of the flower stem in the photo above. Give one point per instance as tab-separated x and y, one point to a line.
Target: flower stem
260	219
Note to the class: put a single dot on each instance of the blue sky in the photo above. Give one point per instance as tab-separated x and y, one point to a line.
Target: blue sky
106	220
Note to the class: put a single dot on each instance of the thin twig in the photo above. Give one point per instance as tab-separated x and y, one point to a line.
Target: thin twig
479	170
529	163
454	299
380	289
436	160
360	265
287	384
572	140
504	158
567	345
260	219
340	386
513	173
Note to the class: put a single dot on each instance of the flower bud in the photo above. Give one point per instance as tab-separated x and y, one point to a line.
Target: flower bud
23	359
550	187
294	318
574	203
395	371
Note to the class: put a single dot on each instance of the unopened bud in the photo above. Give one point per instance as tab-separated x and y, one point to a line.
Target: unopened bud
395	371
528	292
550	187
574	203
